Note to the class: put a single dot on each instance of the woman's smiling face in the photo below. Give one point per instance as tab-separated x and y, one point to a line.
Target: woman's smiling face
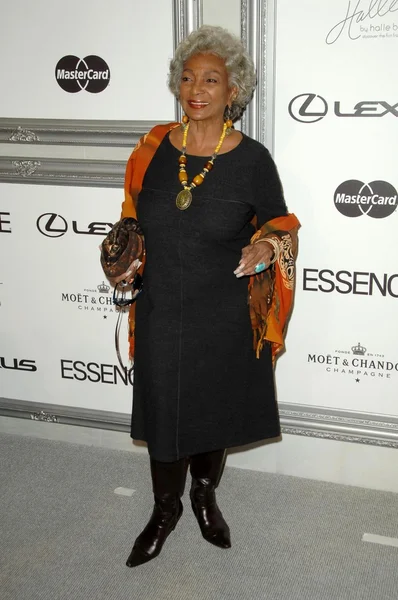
204	88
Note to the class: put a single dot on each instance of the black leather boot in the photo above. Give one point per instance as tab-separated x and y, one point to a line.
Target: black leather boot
206	471
168	482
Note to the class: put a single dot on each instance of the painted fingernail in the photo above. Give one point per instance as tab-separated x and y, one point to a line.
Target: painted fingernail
240	275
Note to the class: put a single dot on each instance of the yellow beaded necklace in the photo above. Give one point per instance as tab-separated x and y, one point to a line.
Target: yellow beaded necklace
184	198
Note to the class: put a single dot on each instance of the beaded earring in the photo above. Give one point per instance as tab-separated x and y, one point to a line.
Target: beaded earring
185	121
228	120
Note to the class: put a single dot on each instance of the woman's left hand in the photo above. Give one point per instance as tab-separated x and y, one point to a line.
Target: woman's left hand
253	255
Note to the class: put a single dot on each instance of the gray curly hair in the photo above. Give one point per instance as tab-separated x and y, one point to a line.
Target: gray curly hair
239	65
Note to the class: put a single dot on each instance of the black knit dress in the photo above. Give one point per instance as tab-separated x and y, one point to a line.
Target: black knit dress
197	384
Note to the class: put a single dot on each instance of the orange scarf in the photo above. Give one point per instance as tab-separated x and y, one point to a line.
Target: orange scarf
270	292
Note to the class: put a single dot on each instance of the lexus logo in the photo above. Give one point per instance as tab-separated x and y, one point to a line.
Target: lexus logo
377	199
311	108
53	225
16	364
308	108
74	74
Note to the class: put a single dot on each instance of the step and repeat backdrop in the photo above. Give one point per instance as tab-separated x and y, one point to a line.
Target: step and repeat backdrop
336	144
57	316
336	147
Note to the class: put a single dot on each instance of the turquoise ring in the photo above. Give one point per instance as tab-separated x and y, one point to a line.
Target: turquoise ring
259	267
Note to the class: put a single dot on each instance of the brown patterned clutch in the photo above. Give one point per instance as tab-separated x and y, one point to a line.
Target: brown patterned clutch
123	244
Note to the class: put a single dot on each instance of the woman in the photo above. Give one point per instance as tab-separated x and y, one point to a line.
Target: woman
196	188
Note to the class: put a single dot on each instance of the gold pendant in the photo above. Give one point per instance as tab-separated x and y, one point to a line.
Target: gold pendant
184	199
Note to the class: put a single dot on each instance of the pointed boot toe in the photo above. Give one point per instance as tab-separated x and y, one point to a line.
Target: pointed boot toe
219	538
137	557
212	524
166	514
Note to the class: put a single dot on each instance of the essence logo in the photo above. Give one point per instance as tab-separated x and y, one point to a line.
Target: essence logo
311	108
5	222
95	372
377	199
360	283
17	365
74	74
53	225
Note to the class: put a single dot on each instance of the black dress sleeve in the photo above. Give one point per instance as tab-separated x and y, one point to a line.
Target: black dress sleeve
269	201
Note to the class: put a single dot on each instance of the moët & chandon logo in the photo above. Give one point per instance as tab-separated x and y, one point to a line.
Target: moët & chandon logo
377	199
74	74
357	362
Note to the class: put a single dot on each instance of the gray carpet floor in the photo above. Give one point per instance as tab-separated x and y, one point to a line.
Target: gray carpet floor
65	534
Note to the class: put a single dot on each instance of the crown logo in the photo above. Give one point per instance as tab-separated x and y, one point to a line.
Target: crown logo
359	350
103	288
